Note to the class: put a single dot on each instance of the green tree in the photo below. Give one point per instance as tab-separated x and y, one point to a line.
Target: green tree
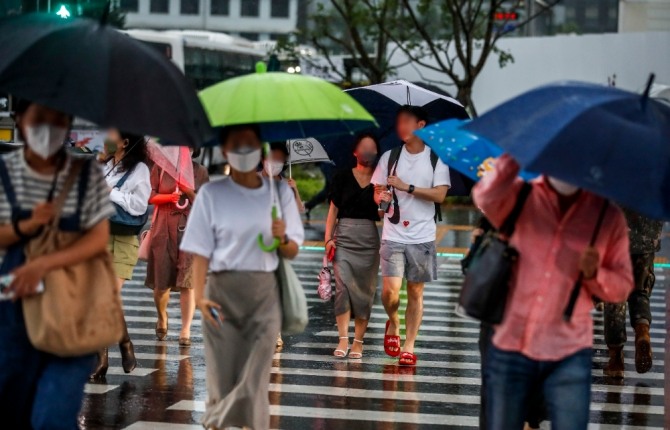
360	32
453	37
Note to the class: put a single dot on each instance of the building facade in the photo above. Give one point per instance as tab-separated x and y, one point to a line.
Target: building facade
251	19
644	15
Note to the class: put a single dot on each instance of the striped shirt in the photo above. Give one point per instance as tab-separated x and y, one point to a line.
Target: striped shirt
32	188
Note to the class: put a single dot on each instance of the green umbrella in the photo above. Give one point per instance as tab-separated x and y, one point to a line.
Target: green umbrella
284	106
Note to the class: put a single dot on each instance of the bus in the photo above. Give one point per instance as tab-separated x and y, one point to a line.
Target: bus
204	57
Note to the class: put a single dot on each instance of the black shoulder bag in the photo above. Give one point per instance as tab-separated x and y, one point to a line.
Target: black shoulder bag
486	284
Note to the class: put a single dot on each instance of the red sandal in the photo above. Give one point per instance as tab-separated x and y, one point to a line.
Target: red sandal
391	342
407	359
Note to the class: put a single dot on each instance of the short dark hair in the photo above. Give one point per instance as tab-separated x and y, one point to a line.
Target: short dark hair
227	130
279	146
360	137
416	111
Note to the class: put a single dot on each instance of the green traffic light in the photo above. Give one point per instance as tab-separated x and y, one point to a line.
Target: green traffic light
63	12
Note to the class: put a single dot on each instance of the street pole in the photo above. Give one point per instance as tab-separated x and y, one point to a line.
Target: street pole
48	6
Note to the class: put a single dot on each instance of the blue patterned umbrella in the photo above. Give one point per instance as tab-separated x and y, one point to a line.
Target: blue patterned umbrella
462	150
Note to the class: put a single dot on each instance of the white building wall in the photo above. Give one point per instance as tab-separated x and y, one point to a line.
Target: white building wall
542	60
233	23
644	15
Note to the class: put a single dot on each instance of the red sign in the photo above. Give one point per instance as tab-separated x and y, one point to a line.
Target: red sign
506	16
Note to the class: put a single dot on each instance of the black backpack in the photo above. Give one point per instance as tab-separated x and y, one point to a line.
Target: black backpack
393	160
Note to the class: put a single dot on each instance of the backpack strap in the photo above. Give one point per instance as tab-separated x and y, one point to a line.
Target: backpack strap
510	223
438	207
7	185
123	179
393	159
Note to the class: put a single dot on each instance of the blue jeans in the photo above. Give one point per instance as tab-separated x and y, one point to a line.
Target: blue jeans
38	391
511	377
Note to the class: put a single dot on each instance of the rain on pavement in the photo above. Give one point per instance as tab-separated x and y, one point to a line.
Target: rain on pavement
311	389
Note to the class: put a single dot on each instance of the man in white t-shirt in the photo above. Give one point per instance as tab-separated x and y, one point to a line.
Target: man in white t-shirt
416	181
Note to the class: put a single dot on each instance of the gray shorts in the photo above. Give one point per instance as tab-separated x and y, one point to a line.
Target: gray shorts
416	262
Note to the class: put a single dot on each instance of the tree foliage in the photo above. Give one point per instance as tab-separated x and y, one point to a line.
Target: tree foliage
455	38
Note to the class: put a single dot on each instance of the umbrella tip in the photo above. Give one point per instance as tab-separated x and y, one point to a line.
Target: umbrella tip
647	90
261	67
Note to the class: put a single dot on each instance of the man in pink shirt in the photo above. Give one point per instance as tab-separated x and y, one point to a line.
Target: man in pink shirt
534	346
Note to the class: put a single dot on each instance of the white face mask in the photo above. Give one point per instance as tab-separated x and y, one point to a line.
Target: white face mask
244	160
274	168
45	140
562	188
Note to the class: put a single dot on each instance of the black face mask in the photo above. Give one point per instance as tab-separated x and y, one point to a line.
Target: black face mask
367	159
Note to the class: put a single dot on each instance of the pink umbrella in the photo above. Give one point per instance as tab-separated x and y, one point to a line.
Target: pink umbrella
174	161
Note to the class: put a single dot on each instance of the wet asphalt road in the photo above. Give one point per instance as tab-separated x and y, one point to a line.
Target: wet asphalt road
313	390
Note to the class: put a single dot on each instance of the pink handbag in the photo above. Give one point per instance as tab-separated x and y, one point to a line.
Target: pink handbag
325	288
145	236
145	239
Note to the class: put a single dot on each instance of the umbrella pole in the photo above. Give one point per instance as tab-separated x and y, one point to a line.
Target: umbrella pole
290	164
576	289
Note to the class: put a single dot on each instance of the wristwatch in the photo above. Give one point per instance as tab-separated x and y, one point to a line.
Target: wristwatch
411	189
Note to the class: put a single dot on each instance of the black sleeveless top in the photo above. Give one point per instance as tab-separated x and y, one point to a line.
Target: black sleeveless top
351	200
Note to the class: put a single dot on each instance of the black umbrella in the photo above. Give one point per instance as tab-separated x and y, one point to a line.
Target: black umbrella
383	102
90	70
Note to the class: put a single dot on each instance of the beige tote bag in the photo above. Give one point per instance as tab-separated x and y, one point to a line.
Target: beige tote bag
80	311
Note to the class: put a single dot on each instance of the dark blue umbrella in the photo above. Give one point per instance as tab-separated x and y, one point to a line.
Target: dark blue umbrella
383	101
89	69
612	142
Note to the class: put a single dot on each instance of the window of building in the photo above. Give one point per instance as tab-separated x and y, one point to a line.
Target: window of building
220	7
250	36
159	6
249	8
280	8
129	5
190	7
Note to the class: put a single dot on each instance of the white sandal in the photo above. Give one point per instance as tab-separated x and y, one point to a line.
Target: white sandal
339	353
356	355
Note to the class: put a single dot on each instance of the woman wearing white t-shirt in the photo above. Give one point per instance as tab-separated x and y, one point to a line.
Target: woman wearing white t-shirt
128	178
240	301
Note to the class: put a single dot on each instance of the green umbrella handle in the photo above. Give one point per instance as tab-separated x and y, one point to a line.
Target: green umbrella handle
275	242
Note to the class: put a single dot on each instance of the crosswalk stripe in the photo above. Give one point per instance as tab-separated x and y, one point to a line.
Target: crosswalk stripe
448	358
350	414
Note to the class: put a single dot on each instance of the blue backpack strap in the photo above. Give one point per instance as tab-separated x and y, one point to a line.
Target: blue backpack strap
7	185
123	179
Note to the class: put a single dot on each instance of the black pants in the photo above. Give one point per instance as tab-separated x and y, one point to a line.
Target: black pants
537	411
638	302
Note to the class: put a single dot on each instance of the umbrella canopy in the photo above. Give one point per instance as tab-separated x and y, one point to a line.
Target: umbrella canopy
383	102
284	106
92	71
470	154
307	150
175	161
609	141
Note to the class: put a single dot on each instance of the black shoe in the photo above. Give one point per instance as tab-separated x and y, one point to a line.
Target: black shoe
101	369
128	360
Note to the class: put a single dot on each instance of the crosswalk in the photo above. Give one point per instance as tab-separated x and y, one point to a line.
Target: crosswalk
311	389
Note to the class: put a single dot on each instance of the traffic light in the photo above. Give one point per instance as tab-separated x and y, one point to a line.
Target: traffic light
63	12
67	9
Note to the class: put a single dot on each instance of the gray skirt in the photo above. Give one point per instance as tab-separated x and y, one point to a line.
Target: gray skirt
356	266
238	355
